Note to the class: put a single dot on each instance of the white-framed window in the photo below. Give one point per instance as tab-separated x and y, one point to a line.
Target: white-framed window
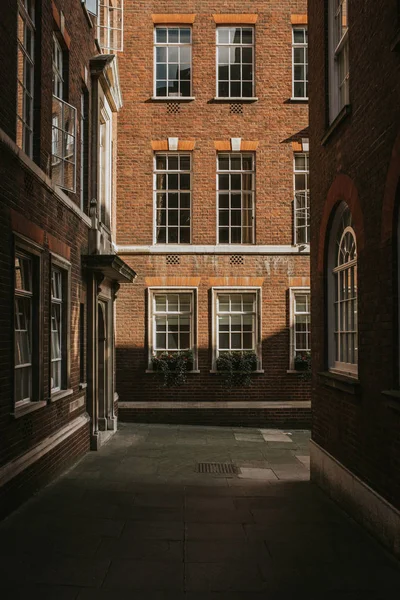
235	62
172	62
111	25
300	323
25	75
300	63
343	294
58	69
23	328
235	197
63	144
172	321
236	321
338	57
105	163
301	198
84	147
172	189
57	329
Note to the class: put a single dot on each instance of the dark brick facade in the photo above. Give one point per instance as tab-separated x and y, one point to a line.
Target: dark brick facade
34	210
275	123
358	421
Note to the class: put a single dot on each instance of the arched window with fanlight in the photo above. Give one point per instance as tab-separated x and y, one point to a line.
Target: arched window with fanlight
342	292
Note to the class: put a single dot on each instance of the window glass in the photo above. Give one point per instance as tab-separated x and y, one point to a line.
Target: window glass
235	58
173	60
236	322
173	198
25	75
23	331
300	63
172	322
301	199
235	179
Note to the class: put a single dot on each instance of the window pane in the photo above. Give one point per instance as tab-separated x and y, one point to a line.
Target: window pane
161	35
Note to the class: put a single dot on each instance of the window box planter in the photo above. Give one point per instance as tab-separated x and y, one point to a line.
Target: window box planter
236	368
173	367
302	362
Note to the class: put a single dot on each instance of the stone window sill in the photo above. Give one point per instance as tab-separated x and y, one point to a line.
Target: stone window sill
238	99
194	371
392	399
61	394
83	385
343	383
342	116
28	407
173	98
293	100
215	372
295	372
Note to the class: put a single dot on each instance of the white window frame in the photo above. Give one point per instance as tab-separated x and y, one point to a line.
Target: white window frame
105	159
154	291
64	113
338	53
241	192
107	31
303	45
58	69
293	292
334	331
63	267
25	88
306	192
84	149
173	95
59	330
27	295
235	45
157	172
221	290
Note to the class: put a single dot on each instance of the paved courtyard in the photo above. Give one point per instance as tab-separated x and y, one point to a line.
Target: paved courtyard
137	520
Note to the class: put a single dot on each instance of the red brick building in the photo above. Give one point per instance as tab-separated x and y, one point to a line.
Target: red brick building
355	174
59	97
213	205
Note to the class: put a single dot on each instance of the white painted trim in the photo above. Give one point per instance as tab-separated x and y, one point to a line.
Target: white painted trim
364	504
157	404
22	462
212	249
35	170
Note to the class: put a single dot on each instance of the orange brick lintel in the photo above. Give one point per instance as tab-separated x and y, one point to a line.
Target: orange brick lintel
299	19
233	19
236	281
158	145
58	247
299	282
175	18
172	281
225	146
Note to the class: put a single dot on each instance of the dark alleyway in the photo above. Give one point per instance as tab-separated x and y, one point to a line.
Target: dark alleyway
136	521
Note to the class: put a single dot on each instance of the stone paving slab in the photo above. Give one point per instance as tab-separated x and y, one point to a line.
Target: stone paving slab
135	521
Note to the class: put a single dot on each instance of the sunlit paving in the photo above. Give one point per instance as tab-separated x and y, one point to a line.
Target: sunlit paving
191	512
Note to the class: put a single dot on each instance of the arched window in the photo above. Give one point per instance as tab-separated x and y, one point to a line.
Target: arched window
342	265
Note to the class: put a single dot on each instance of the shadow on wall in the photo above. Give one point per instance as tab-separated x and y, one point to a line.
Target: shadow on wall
133	383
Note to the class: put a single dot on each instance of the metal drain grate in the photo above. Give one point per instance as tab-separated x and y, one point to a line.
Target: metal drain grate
224	468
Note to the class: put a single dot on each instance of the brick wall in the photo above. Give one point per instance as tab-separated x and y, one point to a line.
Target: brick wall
274	122
361	430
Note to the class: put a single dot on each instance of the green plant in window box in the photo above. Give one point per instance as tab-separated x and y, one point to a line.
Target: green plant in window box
302	362
173	366
236	367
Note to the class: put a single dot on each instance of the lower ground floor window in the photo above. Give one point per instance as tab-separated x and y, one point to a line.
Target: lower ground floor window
172	322
236	322
300	330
